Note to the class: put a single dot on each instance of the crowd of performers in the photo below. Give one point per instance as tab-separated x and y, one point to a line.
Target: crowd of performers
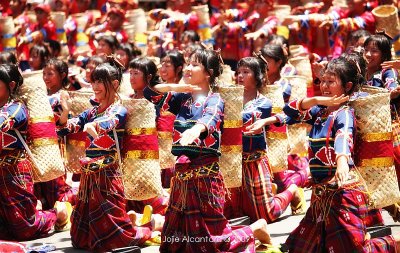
180	74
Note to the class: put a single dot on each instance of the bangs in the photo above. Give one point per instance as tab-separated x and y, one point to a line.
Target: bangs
100	73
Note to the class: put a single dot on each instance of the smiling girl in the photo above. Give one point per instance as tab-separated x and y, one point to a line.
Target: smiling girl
255	198
197	193
100	221
335	220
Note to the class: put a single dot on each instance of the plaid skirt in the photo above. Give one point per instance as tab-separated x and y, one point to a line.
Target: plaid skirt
295	174
194	221
99	220
255	198
19	219
335	223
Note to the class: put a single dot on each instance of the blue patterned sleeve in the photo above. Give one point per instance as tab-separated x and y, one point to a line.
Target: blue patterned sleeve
295	115
169	101
344	129
389	78
74	125
213	113
115	118
13	116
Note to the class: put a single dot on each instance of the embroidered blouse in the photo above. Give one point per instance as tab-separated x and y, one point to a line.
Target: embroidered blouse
258	108
331	135
189	112
13	116
114	117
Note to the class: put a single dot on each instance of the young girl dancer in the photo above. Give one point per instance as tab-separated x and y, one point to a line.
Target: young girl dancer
194	219
99	220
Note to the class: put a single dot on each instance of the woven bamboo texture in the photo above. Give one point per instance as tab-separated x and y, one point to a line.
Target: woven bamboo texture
373	116
141	175
231	156
297	134
277	143
303	67
167	160
80	101
46	155
297	50
227	75
387	19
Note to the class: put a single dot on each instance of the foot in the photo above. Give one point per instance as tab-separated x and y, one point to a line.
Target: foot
298	204
61	211
260	232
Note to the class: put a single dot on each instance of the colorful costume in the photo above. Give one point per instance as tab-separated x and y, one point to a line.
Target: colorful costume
57	189
255	198
19	218
194	221
99	220
334	222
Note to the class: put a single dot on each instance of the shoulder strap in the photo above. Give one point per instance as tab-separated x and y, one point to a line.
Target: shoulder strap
26	148
117	146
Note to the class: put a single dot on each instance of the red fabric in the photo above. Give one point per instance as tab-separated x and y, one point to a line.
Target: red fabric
50	29
232	136
12	247
255	198
99	221
165	123
198	213
42	130
140	142
19	218
368	150
280	129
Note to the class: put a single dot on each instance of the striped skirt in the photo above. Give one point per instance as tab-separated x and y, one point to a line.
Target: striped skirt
255	198
335	223
19	219
99	220
194	221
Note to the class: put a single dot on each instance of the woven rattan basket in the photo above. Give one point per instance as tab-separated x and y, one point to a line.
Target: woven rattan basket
227	75
386	18
46	155
8	39
374	149
165	123
297	134
140	165
126	88
231	140
277	141
75	143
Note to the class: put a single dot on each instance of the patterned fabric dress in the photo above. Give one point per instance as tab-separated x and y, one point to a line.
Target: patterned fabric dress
57	189
19	219
194	221
99	220
255	198
335	220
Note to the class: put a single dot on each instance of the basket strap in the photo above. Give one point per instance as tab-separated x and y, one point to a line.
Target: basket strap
117	146
26	148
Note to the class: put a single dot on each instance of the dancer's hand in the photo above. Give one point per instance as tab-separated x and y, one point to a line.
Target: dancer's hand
190	135
332	101
91	129
342	170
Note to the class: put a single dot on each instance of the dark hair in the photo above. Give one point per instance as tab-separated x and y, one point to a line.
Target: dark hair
177	60
111	41
359	61
7	57
383	43
10	73
191	35
346	70
42	51
147	67
356	35
210	59
97	59
61	67
257	66
130	50
55	47
275	52
275	39
107	72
